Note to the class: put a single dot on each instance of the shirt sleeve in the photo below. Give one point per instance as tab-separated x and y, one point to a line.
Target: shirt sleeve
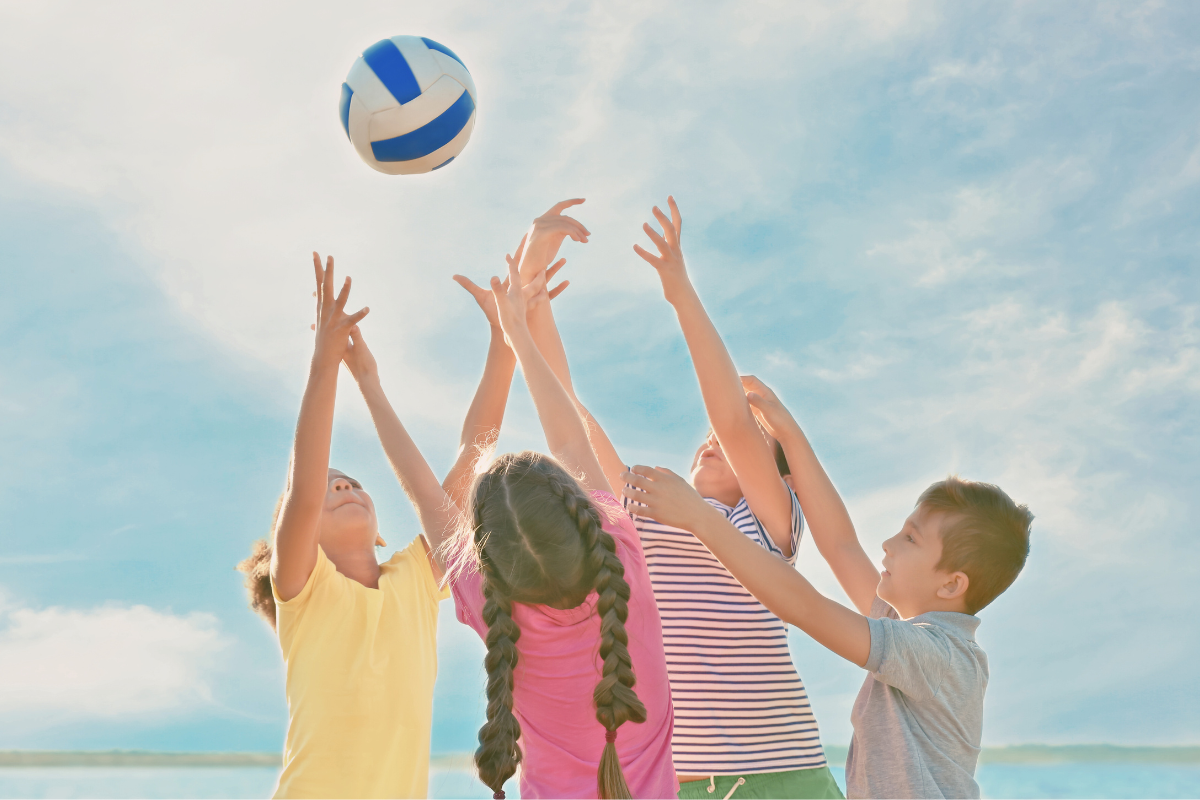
288	613
912	657
467	588
797	532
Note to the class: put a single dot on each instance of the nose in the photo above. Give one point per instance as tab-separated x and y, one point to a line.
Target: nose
341	485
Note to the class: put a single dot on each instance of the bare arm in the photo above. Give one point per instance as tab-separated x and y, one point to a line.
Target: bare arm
745	448
481	427
784	591
298	529
437	514
565	433
830	523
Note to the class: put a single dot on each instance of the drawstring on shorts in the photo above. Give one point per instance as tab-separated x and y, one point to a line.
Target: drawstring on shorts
712	785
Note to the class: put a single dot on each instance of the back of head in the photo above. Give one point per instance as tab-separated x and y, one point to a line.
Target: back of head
538	540
986	536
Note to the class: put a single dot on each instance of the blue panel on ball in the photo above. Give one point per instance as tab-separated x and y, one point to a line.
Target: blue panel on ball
441	48
444	163
429	137
344	108
388	64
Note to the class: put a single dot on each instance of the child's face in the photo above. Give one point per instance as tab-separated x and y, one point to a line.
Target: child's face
711	474
910	581
349	514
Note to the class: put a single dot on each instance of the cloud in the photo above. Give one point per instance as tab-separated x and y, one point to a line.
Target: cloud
65	666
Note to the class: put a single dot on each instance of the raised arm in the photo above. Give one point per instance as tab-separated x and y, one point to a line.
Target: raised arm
565	433
746	449
298	529
481	427
830	524
541	244
785	592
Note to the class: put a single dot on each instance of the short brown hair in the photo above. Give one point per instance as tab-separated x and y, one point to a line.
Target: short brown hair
986	537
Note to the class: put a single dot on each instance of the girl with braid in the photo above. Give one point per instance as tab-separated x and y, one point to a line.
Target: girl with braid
552	576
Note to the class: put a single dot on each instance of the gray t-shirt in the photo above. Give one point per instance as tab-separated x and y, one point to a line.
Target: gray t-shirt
918	719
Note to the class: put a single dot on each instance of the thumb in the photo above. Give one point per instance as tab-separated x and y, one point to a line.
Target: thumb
755	399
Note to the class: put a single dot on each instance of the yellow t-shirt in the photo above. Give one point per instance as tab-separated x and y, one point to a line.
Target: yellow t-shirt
360	670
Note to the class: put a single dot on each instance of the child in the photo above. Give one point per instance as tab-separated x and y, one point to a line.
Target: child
358	637
742	716
918	720
561	595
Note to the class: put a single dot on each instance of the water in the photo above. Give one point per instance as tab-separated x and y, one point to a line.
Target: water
996	780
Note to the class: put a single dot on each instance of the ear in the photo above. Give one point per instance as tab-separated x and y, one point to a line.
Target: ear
955	586
379	542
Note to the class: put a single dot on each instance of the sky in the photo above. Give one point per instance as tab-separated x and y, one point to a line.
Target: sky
956	237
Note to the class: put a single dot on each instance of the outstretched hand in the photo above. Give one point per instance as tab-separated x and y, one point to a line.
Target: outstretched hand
767	407
669	262
511	305
536	291
359	359
665	497
333	323
546	236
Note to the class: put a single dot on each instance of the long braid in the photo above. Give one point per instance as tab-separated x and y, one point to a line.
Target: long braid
616	702
498	754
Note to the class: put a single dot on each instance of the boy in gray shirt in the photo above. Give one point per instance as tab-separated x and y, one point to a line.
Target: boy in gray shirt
918	719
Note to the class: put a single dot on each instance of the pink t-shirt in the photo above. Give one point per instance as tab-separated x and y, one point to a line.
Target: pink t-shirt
558	669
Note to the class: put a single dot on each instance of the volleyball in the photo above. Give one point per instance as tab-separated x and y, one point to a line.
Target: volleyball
408	105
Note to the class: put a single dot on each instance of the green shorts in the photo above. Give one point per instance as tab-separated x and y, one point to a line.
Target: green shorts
815	783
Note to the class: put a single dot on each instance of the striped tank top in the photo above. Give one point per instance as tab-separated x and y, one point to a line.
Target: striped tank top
740	706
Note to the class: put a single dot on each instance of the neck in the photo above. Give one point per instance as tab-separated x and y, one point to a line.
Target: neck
356	564
936	604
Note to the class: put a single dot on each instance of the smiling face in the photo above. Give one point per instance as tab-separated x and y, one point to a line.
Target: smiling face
910	581
348	518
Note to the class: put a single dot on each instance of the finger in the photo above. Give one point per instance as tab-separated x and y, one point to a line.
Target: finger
312	327
654	261
582	227
508	259
498	292
356	335
467	284
563	205
553	269
637	481
343	296
575	229
557	290
514	277
676	217
357	316
327	284
754	398
659	242
667	226
644	472
317	269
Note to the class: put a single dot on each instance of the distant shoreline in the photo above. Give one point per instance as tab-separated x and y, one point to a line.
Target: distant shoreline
1013	754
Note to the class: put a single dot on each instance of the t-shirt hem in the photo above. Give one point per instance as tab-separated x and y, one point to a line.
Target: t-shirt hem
725	773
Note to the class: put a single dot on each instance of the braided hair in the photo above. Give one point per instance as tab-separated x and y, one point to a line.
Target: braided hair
538	539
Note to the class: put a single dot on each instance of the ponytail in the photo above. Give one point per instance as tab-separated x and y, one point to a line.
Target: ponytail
257	569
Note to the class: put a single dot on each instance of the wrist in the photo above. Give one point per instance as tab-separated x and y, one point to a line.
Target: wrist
678	290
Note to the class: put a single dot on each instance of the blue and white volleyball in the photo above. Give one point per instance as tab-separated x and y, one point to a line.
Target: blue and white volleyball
408	105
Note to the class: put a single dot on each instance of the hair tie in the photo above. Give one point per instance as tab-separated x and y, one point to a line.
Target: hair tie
610	736
498	795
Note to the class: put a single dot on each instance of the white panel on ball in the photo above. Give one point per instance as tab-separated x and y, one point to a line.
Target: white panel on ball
408	105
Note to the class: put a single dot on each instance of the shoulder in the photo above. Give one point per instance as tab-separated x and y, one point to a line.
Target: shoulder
414	569
322	573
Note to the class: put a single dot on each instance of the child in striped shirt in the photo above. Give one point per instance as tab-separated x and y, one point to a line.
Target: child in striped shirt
743	723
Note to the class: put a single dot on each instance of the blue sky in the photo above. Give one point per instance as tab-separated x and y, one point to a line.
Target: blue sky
954	236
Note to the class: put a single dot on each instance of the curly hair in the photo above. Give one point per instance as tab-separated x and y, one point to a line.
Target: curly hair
257	569
538	539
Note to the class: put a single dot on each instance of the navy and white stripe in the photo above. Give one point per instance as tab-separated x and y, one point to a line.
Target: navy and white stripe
408	105
740	706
